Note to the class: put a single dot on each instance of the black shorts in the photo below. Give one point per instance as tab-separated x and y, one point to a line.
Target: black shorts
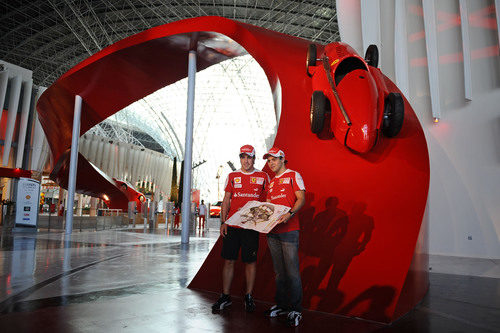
247	239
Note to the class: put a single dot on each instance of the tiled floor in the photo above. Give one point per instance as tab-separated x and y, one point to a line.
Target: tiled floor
135	281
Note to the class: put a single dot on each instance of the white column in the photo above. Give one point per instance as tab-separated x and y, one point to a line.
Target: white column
93	206
401	48
73	163
349	21
44	155
112	159
144	159
156	171
432	56
84	145
4	81
167	176
464	26
15	91
88	146
130	160
98	157
135	165
370	23
188	150
94	146
497	12
106	150
24	122
138	161
38	137
121	161
80	204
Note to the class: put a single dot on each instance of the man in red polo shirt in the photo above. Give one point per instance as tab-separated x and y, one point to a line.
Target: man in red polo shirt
242	185
286	188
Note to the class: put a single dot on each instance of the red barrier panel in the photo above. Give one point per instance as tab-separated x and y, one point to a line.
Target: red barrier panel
363	214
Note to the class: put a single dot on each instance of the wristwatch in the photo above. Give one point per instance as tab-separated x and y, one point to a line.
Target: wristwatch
291	213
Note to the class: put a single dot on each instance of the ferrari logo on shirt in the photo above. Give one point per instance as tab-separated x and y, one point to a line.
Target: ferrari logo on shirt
285	181
237	180
257	180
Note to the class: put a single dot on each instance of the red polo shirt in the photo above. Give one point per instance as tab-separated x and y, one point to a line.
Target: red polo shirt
245	187
281	191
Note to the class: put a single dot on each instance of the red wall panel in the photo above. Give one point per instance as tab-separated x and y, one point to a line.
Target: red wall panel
363	214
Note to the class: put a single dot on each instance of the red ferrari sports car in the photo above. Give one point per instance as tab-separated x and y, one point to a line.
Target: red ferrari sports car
215	209
351	92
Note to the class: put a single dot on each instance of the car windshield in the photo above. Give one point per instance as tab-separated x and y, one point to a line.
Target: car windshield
218	203
346	66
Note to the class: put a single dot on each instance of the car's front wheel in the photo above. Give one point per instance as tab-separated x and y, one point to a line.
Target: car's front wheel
371	55
317	112
311	57
394	111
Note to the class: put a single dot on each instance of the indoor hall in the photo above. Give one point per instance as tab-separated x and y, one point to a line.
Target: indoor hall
121	124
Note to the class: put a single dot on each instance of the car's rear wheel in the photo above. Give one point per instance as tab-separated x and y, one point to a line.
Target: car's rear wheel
318	110
371	55
311	58
394	111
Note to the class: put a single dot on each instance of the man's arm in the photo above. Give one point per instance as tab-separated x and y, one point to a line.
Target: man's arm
226	204
224	210
299	203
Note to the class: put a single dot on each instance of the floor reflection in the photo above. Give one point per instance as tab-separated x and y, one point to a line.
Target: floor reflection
135	280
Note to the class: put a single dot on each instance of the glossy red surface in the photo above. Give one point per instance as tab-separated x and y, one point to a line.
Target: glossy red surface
14	173
363	214
131	193
361	91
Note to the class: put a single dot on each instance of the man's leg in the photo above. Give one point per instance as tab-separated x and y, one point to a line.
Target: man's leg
250	270
290	246
227	276
249	249
279	270
230	249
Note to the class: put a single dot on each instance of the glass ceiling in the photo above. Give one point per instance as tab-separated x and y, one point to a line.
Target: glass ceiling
233	106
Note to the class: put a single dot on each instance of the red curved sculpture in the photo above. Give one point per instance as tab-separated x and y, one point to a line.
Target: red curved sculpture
363	217
131	193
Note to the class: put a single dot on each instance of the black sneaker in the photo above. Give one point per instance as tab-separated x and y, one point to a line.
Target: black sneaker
223	302
274	311
249	303
293	318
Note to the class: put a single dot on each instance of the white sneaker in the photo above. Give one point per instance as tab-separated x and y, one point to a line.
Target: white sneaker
274	311
294	318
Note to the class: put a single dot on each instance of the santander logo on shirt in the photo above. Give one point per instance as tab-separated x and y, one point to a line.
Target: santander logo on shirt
246	195
274	197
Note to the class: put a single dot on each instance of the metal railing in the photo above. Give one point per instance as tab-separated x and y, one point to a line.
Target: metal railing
85	219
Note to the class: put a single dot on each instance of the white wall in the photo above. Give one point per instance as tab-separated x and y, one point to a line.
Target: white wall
119	166
464	147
